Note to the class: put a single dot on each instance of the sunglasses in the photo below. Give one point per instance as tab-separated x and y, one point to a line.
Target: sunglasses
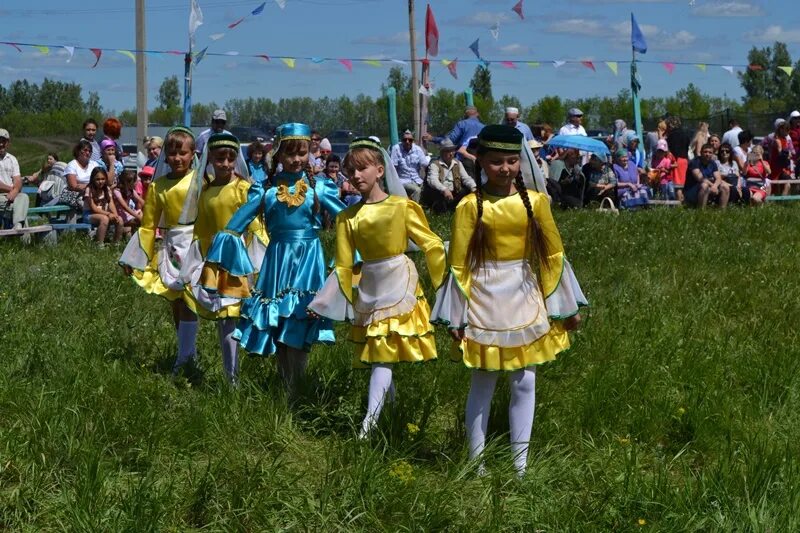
316	139
724	151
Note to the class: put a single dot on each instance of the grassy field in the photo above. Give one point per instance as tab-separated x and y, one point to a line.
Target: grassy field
676	410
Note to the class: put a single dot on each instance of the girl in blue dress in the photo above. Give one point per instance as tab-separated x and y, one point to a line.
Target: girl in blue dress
273	314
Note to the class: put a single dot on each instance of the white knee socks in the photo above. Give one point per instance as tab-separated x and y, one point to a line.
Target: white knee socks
230	349
520	414
479	404
380	382
187	344
292	365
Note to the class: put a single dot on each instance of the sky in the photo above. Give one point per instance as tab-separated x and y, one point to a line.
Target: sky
713	32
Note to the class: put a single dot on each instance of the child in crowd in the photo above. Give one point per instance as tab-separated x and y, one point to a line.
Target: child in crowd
756	173
145	179
274	320
255	161
348	193
109	161
390	317
127	201
98	207
665	165
511	295
156	266
210	204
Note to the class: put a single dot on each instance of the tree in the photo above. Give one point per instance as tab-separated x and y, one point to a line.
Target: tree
481	83
169	94
766	85
93	107
549	110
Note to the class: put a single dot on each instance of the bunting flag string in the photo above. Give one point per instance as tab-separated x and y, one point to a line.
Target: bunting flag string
71	51
347	64
728	68
533	64
613	66
128	54
589	65
559	64
701	66
518	9
670	67
451	68
373	62
289	61
508	64
787	70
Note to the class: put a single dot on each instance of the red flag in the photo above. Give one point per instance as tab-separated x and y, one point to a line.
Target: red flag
15	46
265	56
347	64
234	24
588	64
431	34
756	67
518	9
452	66
669	67
508	64
97	53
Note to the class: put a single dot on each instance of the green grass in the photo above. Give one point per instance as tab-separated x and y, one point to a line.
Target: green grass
678	404
31	152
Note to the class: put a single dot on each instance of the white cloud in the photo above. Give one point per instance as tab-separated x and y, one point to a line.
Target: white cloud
774	33
728	8
619	34
482	18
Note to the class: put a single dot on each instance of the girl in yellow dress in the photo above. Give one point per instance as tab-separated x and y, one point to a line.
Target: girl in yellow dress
511	296
389	314
211	202
156	267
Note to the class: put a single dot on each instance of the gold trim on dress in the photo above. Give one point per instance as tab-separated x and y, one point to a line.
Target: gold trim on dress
293	199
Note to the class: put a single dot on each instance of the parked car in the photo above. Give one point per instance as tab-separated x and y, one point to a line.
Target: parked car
341	136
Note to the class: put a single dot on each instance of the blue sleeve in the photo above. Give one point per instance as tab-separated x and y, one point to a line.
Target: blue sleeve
329	197
456	134
245	215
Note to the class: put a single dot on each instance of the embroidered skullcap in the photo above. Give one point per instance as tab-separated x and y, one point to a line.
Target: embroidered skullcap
500	138
223	140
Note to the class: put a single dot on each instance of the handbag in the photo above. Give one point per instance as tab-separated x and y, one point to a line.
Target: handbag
607	206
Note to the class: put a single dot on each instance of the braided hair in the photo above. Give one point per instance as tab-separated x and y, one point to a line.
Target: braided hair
478	245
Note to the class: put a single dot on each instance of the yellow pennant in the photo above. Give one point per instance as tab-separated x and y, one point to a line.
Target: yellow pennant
613	66
534	64
289	61
787	70
701	66
446	62
128	54
43	49
373	62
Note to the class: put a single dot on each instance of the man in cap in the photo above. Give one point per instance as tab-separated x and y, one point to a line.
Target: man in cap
218	121
573	125
465	129
410	161
512	119
448	181
11	184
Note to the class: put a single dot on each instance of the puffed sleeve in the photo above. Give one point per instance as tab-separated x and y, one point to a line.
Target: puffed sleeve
431	244
563	294
228	262
329	197
141	248
334	300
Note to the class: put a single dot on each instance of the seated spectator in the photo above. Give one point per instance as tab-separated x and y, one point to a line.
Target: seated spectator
410	161
78	173
730	171
601	182
699	140
255	161
635	153
348	194
664	165
41	174
742	148
51	180
90	134
325	149
112	129
704	183
715	141
566	181
631	192
154	146
678	143
145	179
448	181
652	138
99	209
780	157
109	161
127	201
536	148
11	196
471	149
756	173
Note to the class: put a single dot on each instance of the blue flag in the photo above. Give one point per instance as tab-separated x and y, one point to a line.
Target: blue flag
637	37
258	10
474	48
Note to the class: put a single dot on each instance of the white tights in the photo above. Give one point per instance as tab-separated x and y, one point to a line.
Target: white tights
380	382
292	365
187	341
230	349
520	412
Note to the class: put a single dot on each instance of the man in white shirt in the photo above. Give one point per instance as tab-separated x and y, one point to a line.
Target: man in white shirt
512	119
11	184
410	161
218	121
448	181
732	135
573	125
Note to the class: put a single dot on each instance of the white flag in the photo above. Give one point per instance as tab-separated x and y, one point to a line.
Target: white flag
281	3
195	20
495	30
71	51
559	63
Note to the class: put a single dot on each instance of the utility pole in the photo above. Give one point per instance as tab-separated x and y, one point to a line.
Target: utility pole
414	79
141	77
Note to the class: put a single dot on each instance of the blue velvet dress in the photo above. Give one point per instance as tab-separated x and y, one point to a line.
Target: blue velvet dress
293	269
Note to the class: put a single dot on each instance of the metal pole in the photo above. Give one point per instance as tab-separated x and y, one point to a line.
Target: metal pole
414	79
637	111
391	109
187	89
141	77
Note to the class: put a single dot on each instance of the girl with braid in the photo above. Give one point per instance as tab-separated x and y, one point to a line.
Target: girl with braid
273	314
511	296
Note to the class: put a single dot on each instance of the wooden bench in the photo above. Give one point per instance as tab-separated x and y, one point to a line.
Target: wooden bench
670	203
49	209
30	230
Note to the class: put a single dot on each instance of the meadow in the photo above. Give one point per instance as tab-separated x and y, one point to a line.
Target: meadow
677	408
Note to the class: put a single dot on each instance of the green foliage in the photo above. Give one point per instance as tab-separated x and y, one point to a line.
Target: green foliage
549	110
677	405
52	108
769	84
169	94
481	83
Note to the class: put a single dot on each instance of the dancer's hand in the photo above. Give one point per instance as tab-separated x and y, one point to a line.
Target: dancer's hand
573	322
457	334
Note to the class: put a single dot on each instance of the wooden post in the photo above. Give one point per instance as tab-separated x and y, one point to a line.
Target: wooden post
414	79
141	77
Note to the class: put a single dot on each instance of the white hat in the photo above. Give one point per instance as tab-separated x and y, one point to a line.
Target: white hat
575	112
4	134
512	111
794	114
219	114
779	122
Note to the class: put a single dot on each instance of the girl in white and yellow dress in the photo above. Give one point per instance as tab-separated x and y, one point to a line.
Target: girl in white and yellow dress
389	314
156	267
214	197
511	295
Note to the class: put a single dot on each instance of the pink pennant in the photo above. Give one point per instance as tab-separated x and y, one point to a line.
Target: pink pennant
347	64
756	67
451	67
518	9
15	46
670	67
265	56
508	64
589	65
97	53
234	24
176	52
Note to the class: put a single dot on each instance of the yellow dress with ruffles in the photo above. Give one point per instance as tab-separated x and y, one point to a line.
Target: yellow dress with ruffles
508	239
215	208
380	231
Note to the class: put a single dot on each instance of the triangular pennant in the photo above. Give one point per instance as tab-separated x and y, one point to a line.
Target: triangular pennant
347	64
728	68
589	65
128	54
613	66
508	64
495	30
216	36
431	34
701	66
234	24
534	64
425	91
446	62
70	51
43	49
97	53
317	60
265	57
398	61
755	67
669	67
518	9
200	55
637	37
176	52
289	61
558	64
17	48
232	53
373	62
787	70
259	9
451	67
281	4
